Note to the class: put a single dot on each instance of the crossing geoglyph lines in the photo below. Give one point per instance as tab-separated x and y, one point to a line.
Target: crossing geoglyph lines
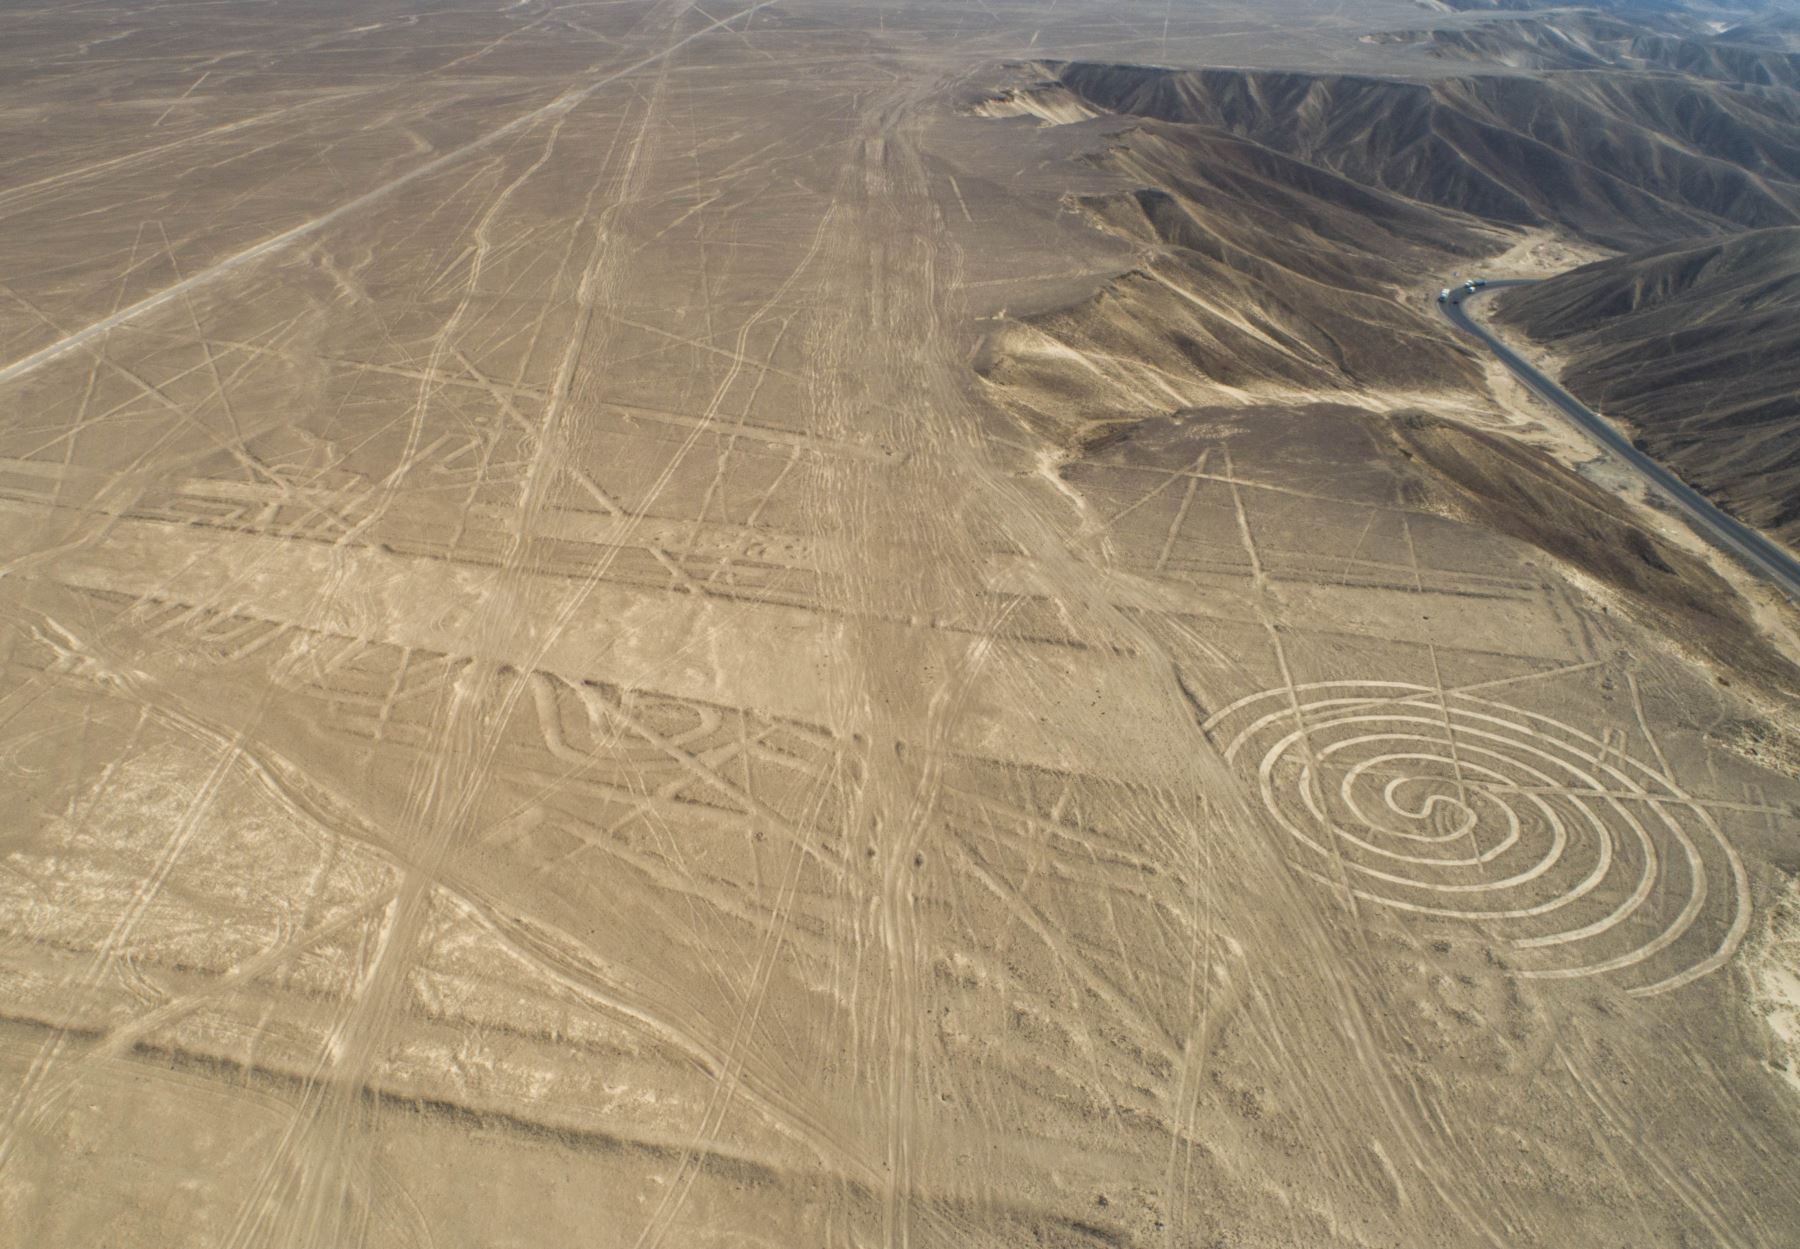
1584	860
611	617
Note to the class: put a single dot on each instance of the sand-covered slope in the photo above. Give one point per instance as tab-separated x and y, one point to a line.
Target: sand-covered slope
1260	275
1698	346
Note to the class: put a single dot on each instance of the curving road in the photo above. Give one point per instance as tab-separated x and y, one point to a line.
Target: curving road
1763	556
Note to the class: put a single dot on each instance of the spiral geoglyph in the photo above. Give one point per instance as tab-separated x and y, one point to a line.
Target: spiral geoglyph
1584	860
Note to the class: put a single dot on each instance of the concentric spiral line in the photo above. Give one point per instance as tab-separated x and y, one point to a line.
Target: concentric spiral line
1447	805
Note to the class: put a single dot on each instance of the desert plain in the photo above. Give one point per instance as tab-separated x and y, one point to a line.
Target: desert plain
871	624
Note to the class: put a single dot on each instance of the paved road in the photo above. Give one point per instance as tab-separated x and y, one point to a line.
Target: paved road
1763	556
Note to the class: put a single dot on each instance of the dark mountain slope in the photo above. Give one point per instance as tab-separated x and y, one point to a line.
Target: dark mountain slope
1585	41
1624	160
1698	347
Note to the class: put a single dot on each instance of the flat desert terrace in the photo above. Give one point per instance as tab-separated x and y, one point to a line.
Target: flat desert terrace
872	624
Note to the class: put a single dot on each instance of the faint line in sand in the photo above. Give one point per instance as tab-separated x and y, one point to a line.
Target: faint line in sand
306	229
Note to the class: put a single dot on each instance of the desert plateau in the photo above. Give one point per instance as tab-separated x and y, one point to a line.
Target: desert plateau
897	625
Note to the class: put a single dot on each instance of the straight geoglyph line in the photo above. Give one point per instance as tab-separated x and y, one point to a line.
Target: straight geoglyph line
269	246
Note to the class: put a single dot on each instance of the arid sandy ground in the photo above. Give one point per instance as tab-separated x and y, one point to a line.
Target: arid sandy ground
577	673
